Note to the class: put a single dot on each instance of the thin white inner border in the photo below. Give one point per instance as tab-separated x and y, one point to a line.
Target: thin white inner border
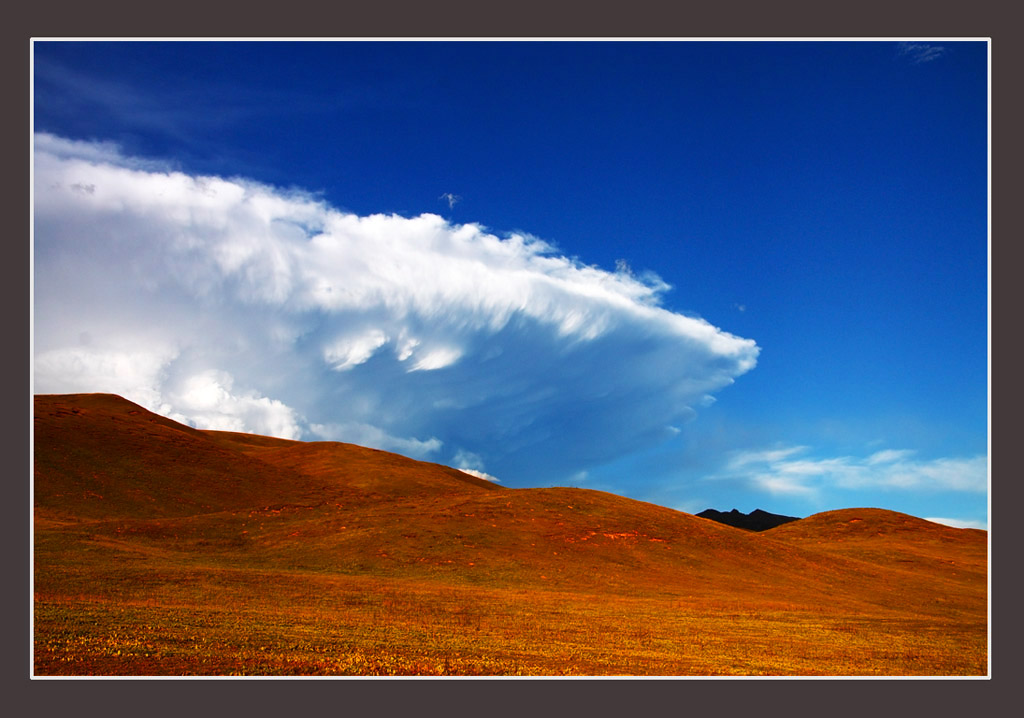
33	676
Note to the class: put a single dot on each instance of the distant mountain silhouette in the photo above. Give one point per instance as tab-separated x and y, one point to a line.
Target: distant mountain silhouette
756	520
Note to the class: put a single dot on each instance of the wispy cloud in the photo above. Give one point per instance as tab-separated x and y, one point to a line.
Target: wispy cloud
354	432
579	477
742	459
479	474
960	523
472	464
451	199
237	305
920	52
172	109
887	456
785	471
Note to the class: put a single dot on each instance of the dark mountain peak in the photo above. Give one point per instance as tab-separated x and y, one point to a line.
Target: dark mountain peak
756	520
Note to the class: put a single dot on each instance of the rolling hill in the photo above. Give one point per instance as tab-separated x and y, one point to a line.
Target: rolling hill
143	525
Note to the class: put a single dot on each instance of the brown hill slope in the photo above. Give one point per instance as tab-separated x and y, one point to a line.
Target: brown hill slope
845	528
895	541
101	456
144	482
368	474
135	509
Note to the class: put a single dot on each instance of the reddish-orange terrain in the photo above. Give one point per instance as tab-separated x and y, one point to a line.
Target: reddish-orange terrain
164	550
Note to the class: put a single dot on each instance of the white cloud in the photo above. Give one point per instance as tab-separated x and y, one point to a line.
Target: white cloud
779	471
480	475
783	484
472	464
353	351
135	375
286	315
436	358
888	456
768	456
58	148
467	460
206	401
951	474
353	432
961	523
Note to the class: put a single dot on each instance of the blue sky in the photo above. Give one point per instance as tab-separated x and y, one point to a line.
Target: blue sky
702	274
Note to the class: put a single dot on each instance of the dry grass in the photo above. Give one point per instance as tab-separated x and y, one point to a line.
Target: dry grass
227	623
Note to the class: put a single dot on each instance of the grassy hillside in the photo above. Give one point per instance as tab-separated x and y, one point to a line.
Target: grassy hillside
163	549
101	456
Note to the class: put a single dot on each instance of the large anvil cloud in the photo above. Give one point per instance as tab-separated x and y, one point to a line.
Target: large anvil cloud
231	304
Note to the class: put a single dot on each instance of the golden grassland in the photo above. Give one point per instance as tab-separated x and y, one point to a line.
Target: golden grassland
251	623
162	550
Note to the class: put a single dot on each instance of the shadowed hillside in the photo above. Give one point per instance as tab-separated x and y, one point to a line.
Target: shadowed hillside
135	510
